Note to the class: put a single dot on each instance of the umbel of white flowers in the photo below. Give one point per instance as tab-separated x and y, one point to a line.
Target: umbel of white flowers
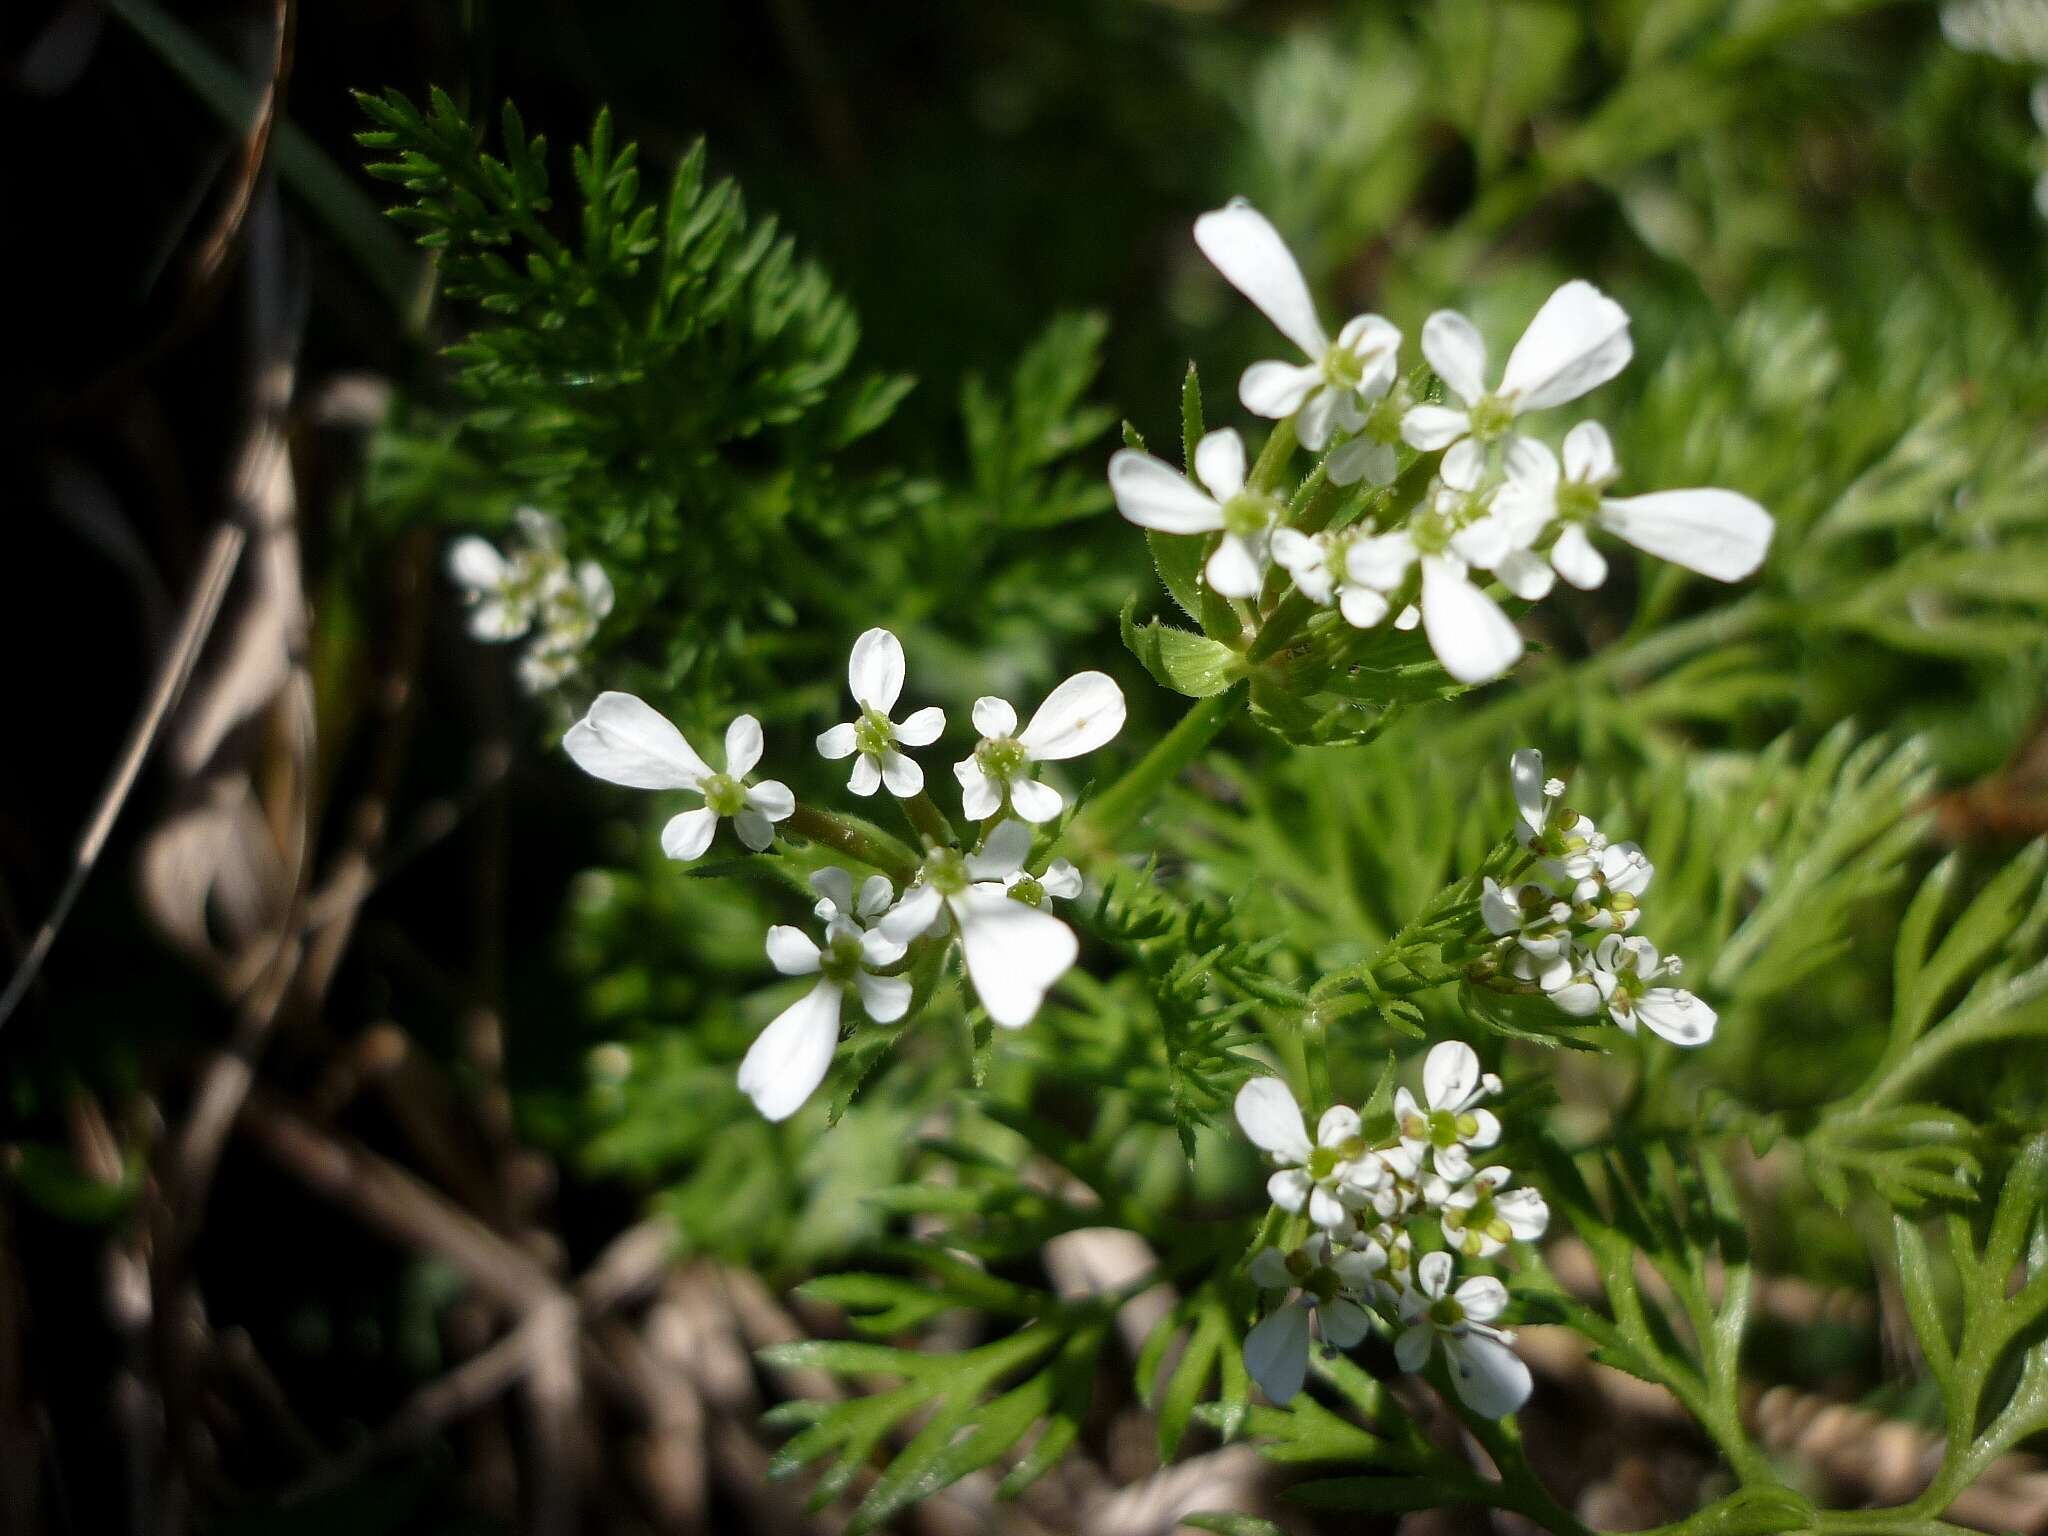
532	593
1362	1195
1569	934
1496	500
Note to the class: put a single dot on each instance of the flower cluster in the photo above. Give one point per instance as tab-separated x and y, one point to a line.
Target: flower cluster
1497	500
1365	1197
1569	932
980	888
534	591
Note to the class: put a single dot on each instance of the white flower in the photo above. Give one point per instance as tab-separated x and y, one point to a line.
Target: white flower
1717	533
1389	1254
1331	1287
1316	562
1453	1123
533	590
1331	1177
1480	1218
1608	897
2013	30
1153	494
838	900
622	740
1060	880
1448	534
874	673
1623	966
1577	342
1340	378
1083	713
1489	1376
790	1057
1014	950
1568	844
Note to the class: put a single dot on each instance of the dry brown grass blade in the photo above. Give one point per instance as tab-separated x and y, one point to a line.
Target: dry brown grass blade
202	608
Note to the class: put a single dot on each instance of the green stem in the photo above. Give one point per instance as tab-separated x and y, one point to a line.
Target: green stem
1095	830
928	819
872	847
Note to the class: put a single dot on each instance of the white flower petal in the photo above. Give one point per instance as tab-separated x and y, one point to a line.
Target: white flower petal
1464	465
1677	1015
1721	534
1412	1346
994	717
790	1057
1275	390
866	777
922	727
494	620
1576	560
1362	607
1083	713
1290	1188
1577	342
903	777
1014	953
772	798
596	588
1318	416
1061	879
1343	1323
1482	543
1295	550
875	895
1526	574
1002	853
742	746
1527	1214
792	951
1219	463
623	740
1338	1125
1271	1119
1382	561
1362	458
874	672
1525	769
1455	349
1037	803
688	835
475	563
1483	1297
835	885
1489	1376
1433	1275
913	915
1234	570
1430	427
886	998
980	796
1531	464
1589	454
838	742
1268	1270
1153	494
1276	1352
1471	636
1243	245
754	829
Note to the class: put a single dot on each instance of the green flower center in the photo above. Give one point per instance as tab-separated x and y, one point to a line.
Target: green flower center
1491	417
1578	502
1002	757
1343	367
1028	891
1446	1313
724	794
873	734
1447	1129
946	871
840	960
1383	422
1248	514
1322	1162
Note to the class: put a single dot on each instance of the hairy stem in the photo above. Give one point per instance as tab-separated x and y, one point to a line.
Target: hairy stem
872	847
1095	830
